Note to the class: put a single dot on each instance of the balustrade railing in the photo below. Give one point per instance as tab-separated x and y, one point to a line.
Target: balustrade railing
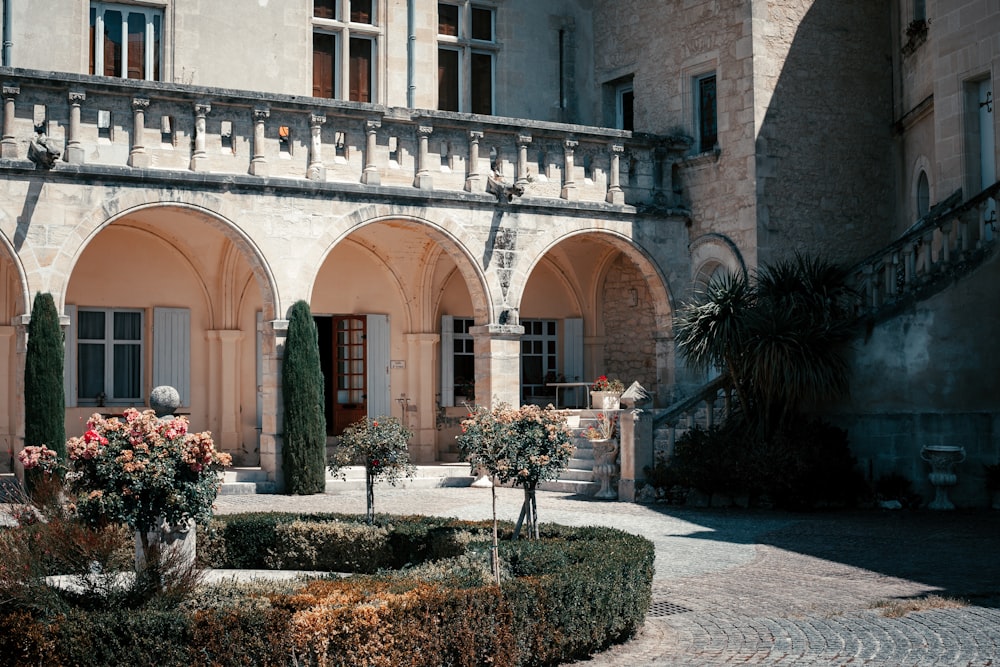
708	405
160	126
951	236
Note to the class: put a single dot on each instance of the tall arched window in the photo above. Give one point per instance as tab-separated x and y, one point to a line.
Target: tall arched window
923	194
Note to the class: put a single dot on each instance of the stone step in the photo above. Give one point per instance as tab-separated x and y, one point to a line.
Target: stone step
570	486
254	480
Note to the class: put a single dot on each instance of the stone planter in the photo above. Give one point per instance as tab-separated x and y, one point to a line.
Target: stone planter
605	400
605	467
942	459
177	545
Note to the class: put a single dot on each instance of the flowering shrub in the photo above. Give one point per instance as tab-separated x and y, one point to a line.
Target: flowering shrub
523	445
40	459
138	469
604	429
602	383
43	472
380	445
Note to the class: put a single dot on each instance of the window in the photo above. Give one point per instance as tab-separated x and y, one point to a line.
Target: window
539	358
338	73
624	99
923	194
125	41
109	356
458	361
706	112
466	34
919	10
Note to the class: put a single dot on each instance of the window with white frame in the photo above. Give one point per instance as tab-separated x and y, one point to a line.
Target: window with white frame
458	361
345	46
705	112
624	102
539	358
109	356
467	51
126	41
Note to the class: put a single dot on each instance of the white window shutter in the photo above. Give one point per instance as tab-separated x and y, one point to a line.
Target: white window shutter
69	358
573	349
172	350
378	366
447	360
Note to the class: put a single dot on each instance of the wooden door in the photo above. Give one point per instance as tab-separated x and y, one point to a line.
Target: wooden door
350	393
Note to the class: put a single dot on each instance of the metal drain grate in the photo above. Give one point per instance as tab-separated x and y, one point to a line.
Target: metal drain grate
661	608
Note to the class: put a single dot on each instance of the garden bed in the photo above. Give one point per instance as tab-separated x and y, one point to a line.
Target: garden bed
422	594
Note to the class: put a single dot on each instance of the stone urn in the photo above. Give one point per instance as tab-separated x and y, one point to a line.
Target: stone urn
177	545
942	459
605	467
605	400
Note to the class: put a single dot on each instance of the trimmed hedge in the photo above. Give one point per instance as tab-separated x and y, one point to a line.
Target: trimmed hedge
575	591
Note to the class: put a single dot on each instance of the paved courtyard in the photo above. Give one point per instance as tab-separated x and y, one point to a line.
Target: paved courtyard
766	588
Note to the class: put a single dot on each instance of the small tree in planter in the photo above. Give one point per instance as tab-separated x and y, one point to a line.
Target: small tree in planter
380	444
304	446
523	446
44	398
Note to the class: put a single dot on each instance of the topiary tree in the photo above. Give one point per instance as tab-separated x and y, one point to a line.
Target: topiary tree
380	444
304	448
44	400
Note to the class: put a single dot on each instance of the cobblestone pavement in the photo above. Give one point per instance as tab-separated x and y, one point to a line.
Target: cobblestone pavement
767	588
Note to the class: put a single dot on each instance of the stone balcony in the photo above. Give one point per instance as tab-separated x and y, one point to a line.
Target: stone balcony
107	125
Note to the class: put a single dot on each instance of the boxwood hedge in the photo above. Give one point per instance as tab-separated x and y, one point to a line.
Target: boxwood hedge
421	594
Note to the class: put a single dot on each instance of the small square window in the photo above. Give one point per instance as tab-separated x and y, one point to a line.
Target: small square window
325	9
447	19
482	24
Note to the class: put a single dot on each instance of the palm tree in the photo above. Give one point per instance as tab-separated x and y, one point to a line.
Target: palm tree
780	335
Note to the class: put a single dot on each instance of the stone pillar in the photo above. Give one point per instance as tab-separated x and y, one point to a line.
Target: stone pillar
498	363
258	164
316	171
569	185
636	428
615	193
371	175
8	145
522	159
138	157
199	156
227	344
74	151
422	352
666	369
273	351
472	173
423	178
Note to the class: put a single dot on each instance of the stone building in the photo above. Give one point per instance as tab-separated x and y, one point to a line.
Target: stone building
476	197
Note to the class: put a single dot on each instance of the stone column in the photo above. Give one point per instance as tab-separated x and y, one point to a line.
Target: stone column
371	175
569	185
227	344
258	164
199	156
138	157
8	145
422	352
522	159
636	428
423	179
615	193
472	172
316	170
273	351
498	363
74	151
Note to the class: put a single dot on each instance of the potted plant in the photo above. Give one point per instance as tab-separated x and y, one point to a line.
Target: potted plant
606	394
601	436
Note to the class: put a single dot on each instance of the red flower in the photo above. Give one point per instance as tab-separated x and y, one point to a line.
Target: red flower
374	423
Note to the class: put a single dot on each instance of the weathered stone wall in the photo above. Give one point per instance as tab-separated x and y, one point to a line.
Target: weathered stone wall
823	91
627	355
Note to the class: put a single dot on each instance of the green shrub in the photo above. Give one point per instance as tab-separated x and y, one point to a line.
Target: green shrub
303	447
44	392
572	592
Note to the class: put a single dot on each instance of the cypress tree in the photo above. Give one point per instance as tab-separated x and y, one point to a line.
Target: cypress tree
304	447
44	400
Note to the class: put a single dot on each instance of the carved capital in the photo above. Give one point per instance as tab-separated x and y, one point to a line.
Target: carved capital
523	139
475	135
372	124
316	119
260	115
425	130
570	144
76	96
202	108
139	104
617	149
11	89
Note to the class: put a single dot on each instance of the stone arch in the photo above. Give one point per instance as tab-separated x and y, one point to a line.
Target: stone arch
23	295
711	252
921	167
658	286
98	220
475	278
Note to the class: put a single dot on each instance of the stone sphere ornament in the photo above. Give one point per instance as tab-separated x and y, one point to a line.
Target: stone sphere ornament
164	400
